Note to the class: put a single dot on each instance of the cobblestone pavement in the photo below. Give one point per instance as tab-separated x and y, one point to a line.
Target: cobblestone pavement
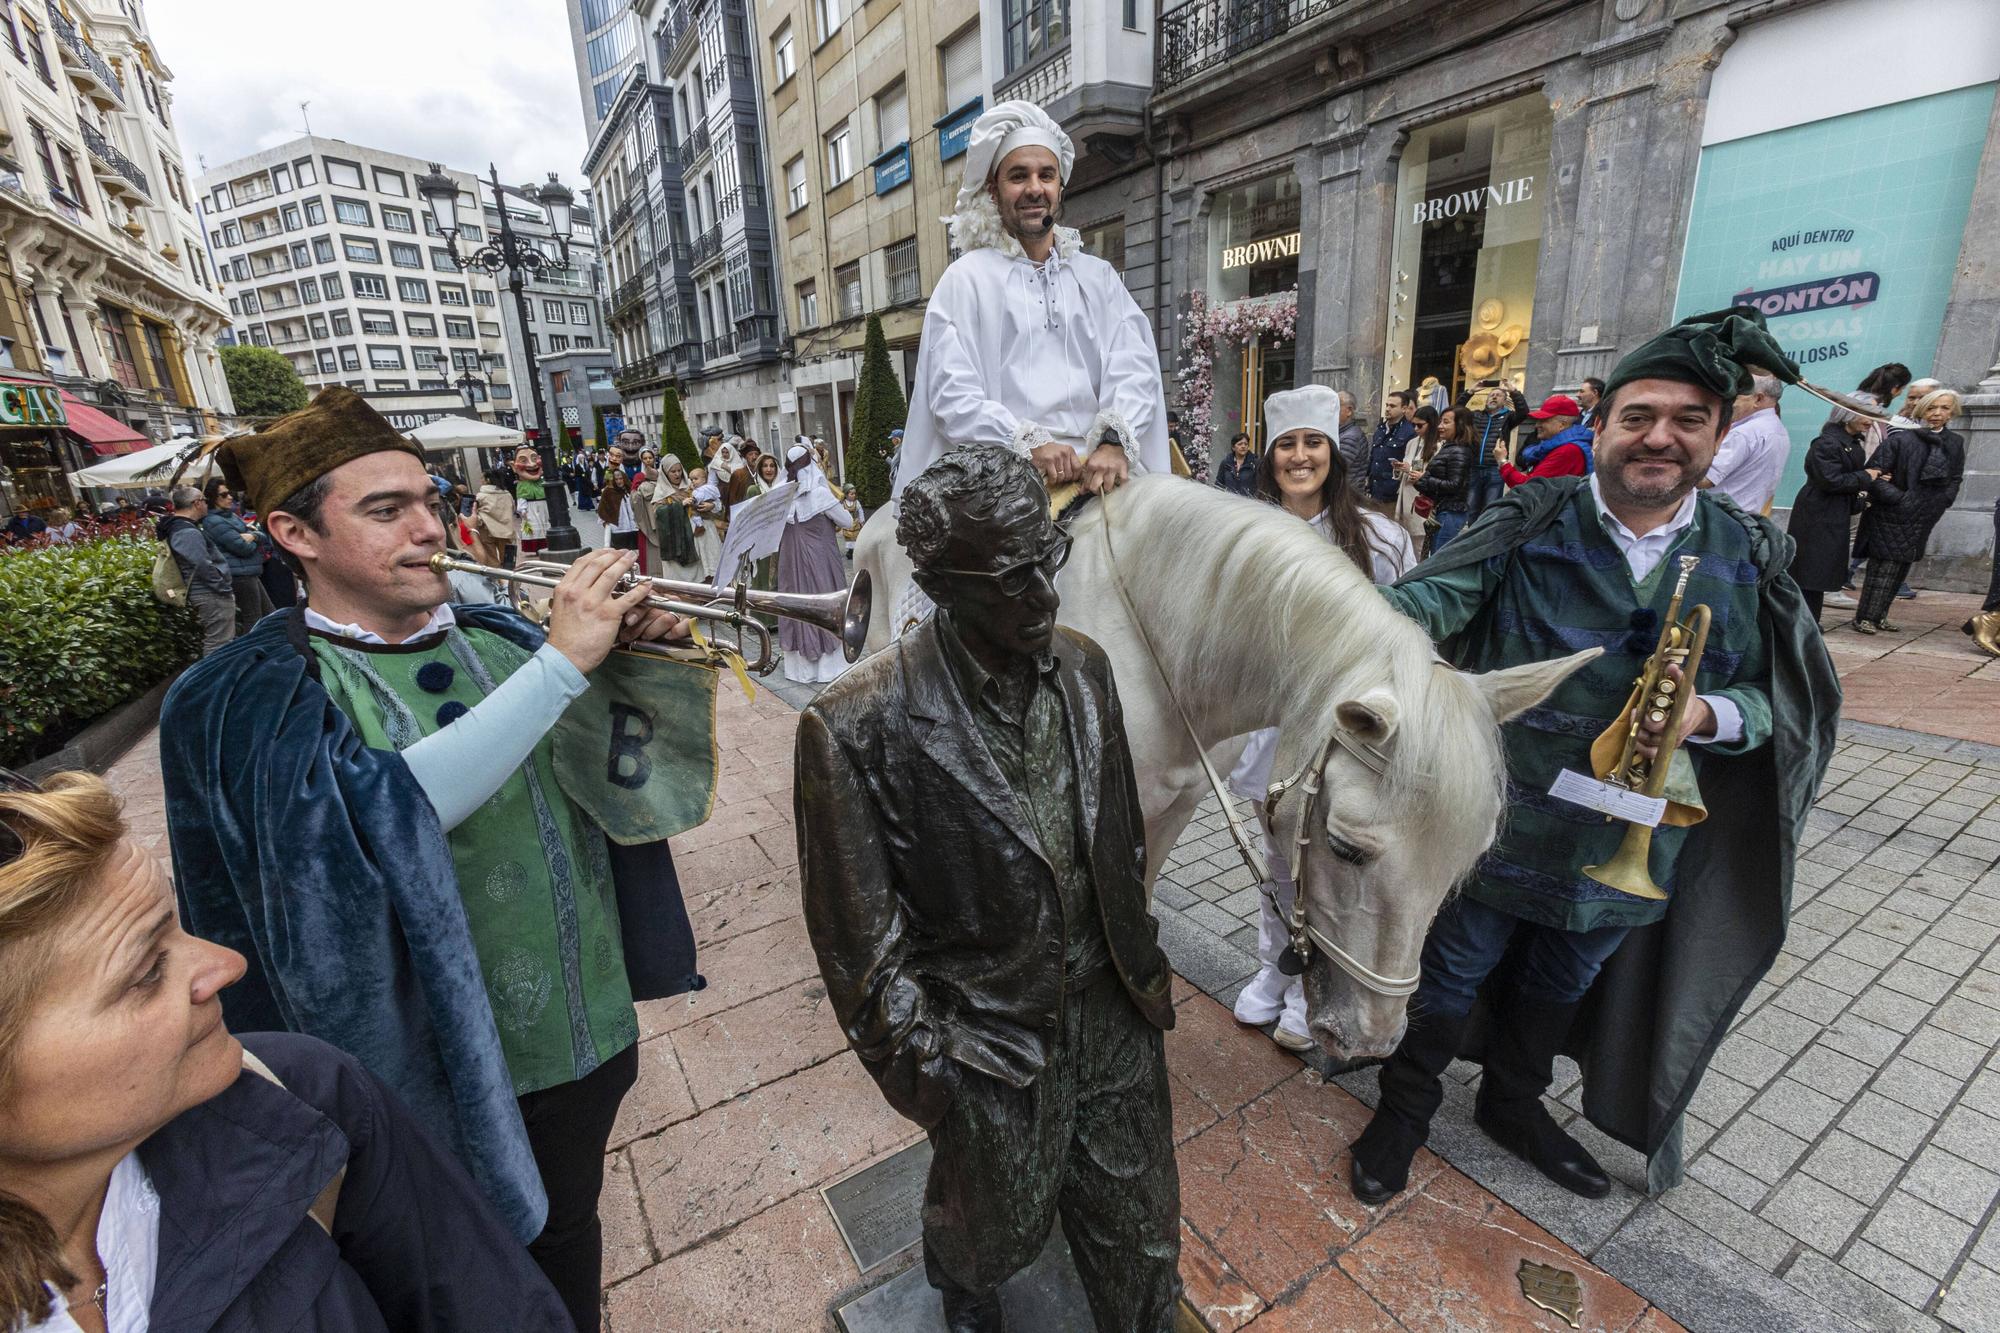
1843	1149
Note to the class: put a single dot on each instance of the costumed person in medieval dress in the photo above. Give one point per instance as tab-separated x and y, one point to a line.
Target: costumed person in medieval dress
1595	560
972	857
402	855
1302	472
704	513
531	502
809	561
1028	343
672	498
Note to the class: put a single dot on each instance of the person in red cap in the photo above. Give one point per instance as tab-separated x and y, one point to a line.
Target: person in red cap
1561	447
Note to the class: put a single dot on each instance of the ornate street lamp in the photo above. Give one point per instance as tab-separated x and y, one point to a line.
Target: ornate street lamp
521	260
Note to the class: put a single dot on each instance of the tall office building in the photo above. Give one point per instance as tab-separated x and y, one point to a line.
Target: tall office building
604	38
679	168
108	304
330	257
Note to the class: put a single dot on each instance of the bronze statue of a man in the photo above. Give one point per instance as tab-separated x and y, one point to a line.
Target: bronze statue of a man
974	874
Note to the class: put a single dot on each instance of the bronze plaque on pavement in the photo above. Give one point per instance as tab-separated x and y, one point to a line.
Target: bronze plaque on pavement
879	1209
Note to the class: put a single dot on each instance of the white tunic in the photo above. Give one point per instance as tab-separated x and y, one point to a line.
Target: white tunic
1009	345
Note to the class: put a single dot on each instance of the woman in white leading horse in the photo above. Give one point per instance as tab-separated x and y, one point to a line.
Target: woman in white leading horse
1223	616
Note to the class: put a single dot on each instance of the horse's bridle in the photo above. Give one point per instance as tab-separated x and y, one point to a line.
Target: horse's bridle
1304	936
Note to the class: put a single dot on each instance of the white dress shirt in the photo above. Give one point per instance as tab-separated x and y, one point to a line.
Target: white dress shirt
1752	457
1642	556
128	1244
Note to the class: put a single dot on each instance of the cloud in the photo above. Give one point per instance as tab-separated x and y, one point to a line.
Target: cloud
465	84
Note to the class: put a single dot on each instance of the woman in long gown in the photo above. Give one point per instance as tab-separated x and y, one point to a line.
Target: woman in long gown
707	502
671	498
809	561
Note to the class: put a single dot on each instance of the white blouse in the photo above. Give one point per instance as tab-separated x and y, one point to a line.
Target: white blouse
128	1243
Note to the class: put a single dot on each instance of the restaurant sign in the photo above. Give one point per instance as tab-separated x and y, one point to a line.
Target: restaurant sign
31	405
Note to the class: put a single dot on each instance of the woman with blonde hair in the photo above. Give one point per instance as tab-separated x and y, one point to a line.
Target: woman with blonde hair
155	1172
1918	474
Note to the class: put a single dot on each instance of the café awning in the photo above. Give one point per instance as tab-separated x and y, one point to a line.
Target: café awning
106	435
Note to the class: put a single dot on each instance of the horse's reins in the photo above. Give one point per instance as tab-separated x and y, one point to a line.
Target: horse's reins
1303	935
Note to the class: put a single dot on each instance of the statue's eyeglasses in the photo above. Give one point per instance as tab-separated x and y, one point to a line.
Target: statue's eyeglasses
1013	580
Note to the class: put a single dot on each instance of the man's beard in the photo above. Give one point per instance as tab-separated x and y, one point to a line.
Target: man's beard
1010	222
1611	480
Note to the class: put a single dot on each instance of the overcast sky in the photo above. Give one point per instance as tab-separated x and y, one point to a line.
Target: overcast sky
464	83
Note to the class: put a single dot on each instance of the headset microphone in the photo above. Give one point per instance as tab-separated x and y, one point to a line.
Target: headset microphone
1048	223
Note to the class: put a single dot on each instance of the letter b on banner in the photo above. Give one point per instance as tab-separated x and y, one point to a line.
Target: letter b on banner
631	731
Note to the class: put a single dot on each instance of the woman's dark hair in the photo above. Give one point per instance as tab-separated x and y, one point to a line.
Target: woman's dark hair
1427	424
1886	380
499	475
1343	510
1461	428
1242	435
209	489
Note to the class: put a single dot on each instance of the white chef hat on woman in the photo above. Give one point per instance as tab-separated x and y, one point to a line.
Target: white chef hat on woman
1313	407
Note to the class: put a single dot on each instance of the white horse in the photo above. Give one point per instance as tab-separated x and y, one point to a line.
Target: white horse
1253	620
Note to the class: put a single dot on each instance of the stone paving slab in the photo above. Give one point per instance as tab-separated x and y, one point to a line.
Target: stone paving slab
1844	1150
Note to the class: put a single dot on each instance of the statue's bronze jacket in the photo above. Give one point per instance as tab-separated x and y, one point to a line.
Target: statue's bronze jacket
934	914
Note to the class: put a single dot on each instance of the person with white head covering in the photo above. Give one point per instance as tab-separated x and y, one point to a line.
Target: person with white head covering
1028	343
1303	473
809	561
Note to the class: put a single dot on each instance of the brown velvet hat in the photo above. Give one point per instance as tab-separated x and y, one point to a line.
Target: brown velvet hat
300	447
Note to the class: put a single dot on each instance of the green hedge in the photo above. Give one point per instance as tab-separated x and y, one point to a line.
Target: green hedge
83	635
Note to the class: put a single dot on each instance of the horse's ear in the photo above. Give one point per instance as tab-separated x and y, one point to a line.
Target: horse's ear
1513	691
1372	717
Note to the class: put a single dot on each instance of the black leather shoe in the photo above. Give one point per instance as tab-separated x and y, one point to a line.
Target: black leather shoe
969	1312
1370	1190
1534	1137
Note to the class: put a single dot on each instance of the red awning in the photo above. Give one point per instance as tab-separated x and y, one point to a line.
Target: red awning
104	434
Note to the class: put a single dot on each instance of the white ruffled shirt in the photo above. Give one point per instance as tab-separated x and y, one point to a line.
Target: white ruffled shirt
1009	344
128	1244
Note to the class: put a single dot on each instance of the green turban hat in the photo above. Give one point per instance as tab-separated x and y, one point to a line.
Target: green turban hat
1718	351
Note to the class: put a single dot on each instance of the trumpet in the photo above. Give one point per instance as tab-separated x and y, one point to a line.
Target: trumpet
841	613
1657	698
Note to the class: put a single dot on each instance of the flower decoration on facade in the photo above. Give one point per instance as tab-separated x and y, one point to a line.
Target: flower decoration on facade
1204	327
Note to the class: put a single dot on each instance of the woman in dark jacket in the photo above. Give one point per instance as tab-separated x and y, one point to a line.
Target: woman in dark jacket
1446	481
1238	473
1920	472
153	1170
1837	476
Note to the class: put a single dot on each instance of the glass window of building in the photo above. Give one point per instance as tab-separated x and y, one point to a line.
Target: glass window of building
315	213
899	264
579	312
327	364
808	305
343	173
414	289
404	255
323	249
847	285
892	117
420	326
826	18
350	359
451	293
331	285
309	291
552	311
304	170
290	217
959	61
1034	28
343	324
391	183
384	358
361	250
1107	241
795	184
1253	239
378	323
457	327
1469	198
398	219
301	254
370	288
784	62
839	154
281	178
482	297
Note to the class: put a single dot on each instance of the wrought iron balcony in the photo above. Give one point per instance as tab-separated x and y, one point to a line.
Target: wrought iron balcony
720	346
120	166
756	333
709	248
685	356
621	215
694	146
1202	34
97	74
627	293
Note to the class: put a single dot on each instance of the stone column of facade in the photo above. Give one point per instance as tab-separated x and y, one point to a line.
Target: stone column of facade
183	388
83	317
1627	140
1968	358
1355	193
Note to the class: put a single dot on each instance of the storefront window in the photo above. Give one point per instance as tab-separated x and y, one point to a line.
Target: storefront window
1253	251
1469	200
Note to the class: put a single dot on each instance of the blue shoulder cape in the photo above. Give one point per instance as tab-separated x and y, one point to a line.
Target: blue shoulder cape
321	861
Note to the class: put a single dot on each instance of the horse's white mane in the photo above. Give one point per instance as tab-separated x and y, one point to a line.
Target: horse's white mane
1224	580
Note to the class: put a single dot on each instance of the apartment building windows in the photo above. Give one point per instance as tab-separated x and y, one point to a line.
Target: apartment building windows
303	168
847	287
301	254
308	291
353	212
451	293
442	261
1033	29
361	250
350	359
343	324
808	305
784	63
457	327
404	255
482	297
378	323
328	365
420	326
900	265
37	56
290	217
398	219
892	116
959	61
579	313
840	154
315	213
826	18
323	249
331	285
391	183
384	358
795	184
317	327
552	312
414	290
344	173
369	287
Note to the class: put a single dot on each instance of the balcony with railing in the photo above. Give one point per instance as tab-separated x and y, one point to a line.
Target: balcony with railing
1040	83
118	172
720	346
694	146
708	248
1203	34
755	334
685	356
92	72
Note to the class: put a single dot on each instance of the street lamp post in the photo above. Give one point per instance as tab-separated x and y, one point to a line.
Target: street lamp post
521	260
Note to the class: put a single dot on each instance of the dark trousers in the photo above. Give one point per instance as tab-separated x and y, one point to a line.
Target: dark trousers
1815	601
252	602
1469	938
217	613
1090	1141
1487	486
1878	589
569	1127
1993	588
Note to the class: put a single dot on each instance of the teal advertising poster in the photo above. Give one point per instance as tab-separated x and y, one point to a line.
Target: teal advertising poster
1845	233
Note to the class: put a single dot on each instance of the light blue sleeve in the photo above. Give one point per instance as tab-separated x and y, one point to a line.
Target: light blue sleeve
460	765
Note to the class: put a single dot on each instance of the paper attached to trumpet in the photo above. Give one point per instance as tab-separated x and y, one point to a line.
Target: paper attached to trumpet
1609	799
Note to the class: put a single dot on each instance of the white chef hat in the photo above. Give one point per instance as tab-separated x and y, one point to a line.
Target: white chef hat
1004	128
1313	407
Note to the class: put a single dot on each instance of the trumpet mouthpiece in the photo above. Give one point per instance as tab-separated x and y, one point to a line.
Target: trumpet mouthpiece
440	563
